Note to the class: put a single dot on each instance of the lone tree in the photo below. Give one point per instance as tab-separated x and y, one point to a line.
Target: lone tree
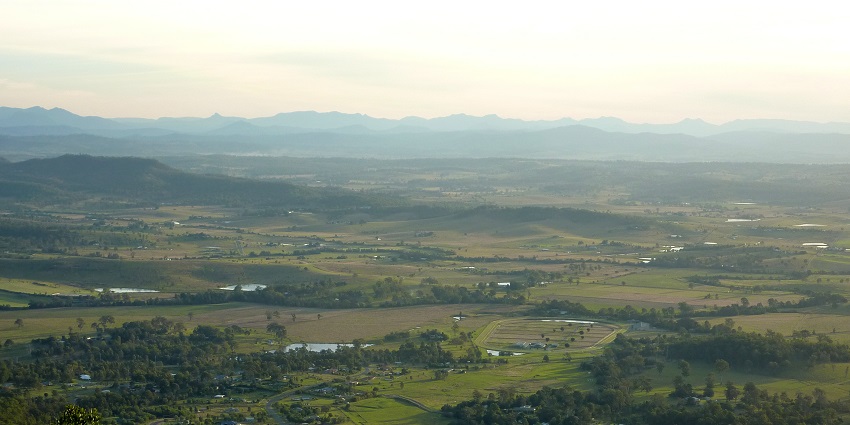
105	320
721	366
732	392
76	415
685	367
277	329
19	322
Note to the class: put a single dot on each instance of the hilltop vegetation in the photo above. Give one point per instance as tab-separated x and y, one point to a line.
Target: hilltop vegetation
146	182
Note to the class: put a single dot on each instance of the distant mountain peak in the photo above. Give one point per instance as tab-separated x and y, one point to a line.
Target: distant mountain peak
37	120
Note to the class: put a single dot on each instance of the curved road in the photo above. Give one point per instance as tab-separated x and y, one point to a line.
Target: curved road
276	398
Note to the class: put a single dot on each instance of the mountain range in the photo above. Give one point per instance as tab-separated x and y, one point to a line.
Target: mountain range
39	132
38	120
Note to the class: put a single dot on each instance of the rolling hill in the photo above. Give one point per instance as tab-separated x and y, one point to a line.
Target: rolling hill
145	181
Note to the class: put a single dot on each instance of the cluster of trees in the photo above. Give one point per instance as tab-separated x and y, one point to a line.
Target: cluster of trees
770	352
747	259
22	409
27	236
37	234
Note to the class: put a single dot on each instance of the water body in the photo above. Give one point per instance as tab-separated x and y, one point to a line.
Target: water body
497	353
583	322
318	346
124	290
250	287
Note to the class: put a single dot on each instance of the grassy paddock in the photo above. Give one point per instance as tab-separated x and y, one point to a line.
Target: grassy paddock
13	299
836	327
382	410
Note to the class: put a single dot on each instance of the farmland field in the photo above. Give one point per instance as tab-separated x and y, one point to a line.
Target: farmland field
492	294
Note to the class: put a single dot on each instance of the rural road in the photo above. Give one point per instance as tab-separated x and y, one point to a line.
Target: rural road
276	398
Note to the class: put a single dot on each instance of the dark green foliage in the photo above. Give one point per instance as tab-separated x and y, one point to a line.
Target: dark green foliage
75	415
769	353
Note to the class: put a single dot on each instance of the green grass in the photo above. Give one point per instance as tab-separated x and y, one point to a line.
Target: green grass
389	411
833	323
14	299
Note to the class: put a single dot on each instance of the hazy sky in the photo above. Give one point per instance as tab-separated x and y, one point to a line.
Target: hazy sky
643	61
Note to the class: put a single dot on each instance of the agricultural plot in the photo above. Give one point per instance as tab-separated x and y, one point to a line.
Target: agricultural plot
654	297
534	335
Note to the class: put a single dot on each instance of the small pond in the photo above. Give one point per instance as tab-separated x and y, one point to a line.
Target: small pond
317	346
125	290
498	353
249	287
